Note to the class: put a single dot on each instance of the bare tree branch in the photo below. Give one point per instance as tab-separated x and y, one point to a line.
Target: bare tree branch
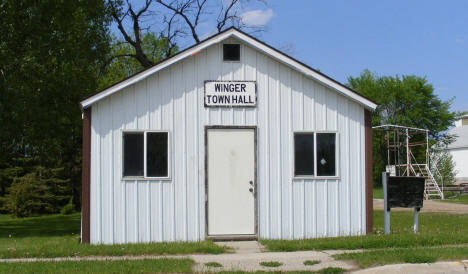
135	16
171	35
180	9
190	12
224	17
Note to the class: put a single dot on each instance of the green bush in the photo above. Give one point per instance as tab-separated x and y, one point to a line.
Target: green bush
24	197
40	191
68	209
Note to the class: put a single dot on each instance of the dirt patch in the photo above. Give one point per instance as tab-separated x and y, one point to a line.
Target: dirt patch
430	206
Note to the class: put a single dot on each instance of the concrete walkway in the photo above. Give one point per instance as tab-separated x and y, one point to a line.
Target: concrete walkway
249	254
246	256
438	267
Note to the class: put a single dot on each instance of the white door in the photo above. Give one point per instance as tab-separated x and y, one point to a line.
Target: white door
231	175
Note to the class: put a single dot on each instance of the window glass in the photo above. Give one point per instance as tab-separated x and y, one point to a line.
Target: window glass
326	154
133	154
231	52
304	154
156	154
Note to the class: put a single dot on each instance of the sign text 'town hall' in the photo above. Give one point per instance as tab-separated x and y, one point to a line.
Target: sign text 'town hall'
230	94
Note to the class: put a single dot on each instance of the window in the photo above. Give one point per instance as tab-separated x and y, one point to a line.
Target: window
133	154
326	154
145	147
156	154
231	52
304	154
314	154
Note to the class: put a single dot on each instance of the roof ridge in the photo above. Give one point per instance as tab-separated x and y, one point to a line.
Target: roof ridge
260	46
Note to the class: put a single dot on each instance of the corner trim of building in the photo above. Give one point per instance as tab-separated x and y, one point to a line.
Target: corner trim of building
368	171
86	177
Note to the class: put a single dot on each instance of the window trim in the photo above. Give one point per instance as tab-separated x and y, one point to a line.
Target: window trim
241	49
315	176
144	177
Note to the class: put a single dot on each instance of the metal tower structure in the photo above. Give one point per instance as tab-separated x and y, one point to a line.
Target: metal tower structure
401	142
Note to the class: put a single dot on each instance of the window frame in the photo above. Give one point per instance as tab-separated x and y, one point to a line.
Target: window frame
315	176
240	52
144	177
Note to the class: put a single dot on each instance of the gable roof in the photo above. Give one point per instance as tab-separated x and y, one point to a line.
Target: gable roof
249	40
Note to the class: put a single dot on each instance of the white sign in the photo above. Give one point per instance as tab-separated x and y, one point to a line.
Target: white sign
230	94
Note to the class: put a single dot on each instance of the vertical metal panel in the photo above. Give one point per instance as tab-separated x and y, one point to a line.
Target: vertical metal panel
172	100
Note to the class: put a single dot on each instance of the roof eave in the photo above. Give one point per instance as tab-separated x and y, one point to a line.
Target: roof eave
253	42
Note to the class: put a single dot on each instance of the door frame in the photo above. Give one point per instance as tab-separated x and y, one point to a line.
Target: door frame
232	236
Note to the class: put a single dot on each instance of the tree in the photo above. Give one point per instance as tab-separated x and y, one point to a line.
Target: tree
172	20
122	62
50	52
41	190
443	166
407	100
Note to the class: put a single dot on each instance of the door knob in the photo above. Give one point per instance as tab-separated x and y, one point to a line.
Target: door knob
251	182
251	189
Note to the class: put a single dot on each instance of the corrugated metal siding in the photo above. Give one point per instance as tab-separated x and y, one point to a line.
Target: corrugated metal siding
174	210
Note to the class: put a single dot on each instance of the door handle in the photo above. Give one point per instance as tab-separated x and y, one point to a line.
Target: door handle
251	189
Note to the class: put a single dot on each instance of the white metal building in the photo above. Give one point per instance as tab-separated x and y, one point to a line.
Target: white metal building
228	139
459	149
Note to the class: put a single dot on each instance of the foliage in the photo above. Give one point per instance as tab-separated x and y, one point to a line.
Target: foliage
37	190
406	100
177	20
68	208
443	167
121	62
164	265
50	54
434	229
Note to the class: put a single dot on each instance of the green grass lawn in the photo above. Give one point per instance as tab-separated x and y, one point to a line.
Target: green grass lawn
461	199
57	236
435	229
124	266
404	255
378	193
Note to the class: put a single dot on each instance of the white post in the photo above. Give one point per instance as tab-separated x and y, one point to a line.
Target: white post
408	160
428	159
386	208
415	220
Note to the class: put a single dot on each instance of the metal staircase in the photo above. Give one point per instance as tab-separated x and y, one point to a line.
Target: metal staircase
401	141
432	189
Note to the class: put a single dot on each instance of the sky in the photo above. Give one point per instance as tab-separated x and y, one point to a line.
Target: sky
341	38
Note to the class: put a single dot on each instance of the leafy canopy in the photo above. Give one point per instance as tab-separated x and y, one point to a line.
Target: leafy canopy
122	62
50	52
407	101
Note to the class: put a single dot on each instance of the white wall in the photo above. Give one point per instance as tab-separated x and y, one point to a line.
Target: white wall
460	157
145	211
